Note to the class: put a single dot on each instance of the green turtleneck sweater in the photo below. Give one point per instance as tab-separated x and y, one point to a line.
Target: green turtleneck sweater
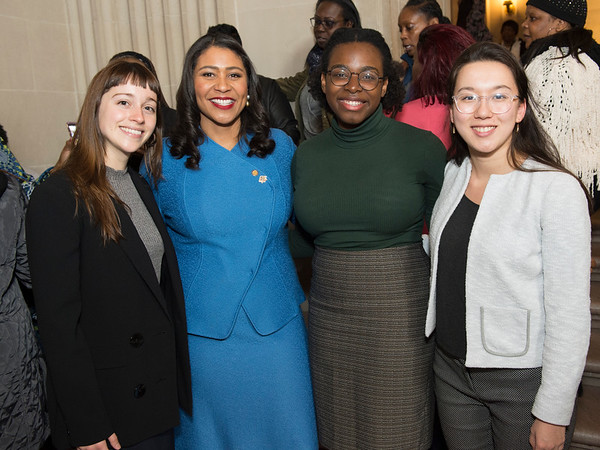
367	188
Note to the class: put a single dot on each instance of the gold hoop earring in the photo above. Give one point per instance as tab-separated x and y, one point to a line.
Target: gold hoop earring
453	129
517	127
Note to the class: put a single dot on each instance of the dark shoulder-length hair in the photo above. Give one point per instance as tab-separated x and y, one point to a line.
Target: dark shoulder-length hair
571	42
392	100
188	135
439	45
349	11
85	165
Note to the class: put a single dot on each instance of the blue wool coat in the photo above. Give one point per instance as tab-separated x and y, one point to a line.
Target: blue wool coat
247	260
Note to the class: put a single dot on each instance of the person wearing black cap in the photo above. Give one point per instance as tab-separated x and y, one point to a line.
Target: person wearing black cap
563	66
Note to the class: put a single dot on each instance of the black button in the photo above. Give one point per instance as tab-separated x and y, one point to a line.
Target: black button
136	340
139	391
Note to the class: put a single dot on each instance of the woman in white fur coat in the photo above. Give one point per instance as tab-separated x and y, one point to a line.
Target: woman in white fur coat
562	65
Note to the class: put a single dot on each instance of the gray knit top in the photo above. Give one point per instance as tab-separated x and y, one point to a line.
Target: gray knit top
120	181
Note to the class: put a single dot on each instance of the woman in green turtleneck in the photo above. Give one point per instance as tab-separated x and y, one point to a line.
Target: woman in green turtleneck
362	191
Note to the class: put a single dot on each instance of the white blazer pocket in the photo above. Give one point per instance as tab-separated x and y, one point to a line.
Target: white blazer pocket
505	331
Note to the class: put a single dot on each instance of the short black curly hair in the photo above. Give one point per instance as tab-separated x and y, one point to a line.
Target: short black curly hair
392	100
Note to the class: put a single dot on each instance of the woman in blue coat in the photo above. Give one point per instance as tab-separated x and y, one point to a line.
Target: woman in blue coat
226	197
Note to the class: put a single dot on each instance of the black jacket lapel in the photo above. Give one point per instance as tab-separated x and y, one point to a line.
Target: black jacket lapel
134	248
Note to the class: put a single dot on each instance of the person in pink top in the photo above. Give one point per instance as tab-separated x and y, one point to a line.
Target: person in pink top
439	45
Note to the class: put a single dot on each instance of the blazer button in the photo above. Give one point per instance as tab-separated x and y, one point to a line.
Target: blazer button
139	391
136	340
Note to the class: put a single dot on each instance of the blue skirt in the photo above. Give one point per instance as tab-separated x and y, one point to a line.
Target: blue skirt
250	391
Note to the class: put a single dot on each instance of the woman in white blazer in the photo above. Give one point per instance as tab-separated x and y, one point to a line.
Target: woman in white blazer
510	245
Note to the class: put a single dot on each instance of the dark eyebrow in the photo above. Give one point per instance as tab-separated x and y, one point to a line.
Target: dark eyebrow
218	68
362	69
470	88
127	94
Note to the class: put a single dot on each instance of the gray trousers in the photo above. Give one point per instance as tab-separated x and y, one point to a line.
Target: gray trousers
483	409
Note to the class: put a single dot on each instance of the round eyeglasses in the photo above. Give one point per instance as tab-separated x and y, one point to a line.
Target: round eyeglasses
498	103
327	23
367	79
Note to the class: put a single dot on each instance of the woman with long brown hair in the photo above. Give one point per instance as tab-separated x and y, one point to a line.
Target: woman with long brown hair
105	277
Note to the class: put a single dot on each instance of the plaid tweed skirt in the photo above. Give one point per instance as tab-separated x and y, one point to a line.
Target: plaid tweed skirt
370	361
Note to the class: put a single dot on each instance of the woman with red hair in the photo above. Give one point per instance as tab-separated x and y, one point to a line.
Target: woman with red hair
439	45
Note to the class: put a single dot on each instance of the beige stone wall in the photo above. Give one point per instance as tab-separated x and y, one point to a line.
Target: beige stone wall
52	48
37	84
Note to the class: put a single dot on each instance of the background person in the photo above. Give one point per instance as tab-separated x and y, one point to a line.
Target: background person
362	190
471	17
10	164
512	329
225	193
562	65
105	277
439	46
23	418
329	16
414	18
509	38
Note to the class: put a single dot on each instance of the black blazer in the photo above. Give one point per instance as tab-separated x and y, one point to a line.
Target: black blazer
115	338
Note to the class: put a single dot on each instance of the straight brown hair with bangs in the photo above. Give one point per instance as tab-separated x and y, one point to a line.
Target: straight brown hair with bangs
85	165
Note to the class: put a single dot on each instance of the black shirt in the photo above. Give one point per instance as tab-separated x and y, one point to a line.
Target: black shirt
451	274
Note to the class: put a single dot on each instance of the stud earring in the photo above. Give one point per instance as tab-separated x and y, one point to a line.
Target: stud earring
248	100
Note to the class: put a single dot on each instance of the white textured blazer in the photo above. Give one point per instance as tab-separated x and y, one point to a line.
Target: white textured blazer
527	280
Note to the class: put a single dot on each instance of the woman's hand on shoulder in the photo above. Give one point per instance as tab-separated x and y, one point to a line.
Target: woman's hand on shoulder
102	445
546	436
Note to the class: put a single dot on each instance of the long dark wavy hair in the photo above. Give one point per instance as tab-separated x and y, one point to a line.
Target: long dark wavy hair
392	100
531	141
575	40
188	135
85	165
